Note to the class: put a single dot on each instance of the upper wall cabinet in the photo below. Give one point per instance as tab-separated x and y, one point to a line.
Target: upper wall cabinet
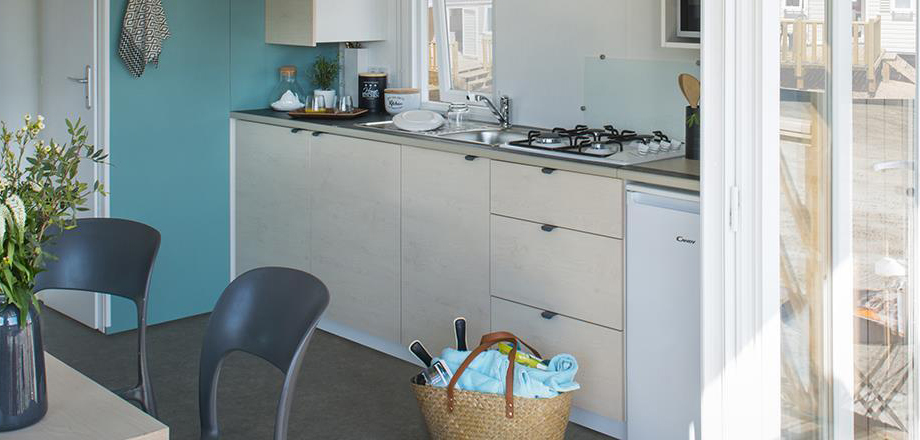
680	23
308	22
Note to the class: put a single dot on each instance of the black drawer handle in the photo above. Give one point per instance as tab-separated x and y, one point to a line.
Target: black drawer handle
549	170
548	228
317	133
297	130
470	157
548	315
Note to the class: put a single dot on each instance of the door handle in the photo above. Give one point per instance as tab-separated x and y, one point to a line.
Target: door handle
893	165
87	86
470	157
548	228
548	170
548	315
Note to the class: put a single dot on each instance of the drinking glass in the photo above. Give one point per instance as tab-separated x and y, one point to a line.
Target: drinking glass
319	103
346	104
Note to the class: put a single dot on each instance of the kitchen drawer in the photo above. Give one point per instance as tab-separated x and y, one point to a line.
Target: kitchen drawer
561	198
599	351
557	269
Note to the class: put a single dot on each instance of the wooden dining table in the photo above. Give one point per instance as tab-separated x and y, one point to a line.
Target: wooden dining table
80	409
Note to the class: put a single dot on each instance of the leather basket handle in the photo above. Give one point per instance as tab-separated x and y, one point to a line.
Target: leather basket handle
487	341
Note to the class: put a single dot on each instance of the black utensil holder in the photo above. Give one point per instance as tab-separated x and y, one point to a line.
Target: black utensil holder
692	138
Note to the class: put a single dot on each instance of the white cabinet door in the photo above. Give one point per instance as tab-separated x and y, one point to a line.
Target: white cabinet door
272	197
355	231
445	246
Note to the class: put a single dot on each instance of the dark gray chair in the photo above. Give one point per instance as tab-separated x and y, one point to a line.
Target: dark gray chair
112	256
271	313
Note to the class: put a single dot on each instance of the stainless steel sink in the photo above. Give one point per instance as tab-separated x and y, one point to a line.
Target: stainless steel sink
486	137
478	133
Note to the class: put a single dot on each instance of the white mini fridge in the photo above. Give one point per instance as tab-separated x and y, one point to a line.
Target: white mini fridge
662	314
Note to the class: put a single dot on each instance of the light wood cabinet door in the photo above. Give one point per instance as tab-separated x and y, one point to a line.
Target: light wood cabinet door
355	231
568	272
308	22
561	198
271	197
445	246
599	351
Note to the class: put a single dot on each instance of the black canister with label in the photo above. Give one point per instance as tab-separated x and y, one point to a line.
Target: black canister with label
370	88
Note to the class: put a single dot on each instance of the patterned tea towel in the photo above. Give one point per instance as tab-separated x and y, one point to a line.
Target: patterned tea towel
143	31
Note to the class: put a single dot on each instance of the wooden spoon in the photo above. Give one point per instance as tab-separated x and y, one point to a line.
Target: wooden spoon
690	86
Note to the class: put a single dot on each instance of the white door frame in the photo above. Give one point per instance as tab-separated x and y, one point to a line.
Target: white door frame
840	295
740	205
740	222
103	118
102	205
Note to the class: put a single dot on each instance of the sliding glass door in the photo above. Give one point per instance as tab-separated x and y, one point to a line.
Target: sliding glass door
849	314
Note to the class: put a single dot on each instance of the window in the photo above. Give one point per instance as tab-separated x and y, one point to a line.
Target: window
458	49
794	8
902	6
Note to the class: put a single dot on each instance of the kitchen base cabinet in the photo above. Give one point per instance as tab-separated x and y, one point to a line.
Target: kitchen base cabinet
599	351
406	239
271	187
445	246
354	239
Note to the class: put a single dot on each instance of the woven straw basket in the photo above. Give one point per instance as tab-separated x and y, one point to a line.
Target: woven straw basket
468	415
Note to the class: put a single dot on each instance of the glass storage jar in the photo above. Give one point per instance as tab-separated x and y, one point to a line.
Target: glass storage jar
288	94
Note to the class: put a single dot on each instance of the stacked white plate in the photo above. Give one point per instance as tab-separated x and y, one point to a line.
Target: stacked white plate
418	120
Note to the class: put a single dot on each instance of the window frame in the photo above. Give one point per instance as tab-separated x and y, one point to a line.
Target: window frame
418	63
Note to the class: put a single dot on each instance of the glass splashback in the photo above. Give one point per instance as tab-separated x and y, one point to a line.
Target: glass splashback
639	95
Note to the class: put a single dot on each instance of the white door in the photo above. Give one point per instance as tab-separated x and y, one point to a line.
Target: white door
68	91
811	315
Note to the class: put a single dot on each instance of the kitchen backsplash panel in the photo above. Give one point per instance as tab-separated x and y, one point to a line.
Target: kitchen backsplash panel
639	95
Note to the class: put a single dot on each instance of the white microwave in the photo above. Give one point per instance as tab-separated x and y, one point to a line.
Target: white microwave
688	18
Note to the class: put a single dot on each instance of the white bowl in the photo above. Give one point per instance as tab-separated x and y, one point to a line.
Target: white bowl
418	120
399	100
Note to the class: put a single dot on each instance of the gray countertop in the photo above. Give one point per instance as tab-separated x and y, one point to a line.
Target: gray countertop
675	173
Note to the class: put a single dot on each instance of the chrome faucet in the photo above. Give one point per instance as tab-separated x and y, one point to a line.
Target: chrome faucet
503	113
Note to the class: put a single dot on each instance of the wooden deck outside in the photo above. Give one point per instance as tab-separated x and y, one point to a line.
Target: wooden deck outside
802	47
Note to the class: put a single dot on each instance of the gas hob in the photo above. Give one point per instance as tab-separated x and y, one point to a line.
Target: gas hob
603	145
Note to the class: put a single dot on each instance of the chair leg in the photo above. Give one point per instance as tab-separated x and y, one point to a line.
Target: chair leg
144	388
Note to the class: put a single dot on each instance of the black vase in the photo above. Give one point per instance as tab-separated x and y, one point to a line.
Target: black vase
693	133
23	389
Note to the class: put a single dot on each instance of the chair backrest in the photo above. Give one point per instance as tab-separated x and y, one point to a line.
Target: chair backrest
268	312
103	255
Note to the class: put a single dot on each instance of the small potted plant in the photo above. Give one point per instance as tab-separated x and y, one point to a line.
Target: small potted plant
39	191
324	76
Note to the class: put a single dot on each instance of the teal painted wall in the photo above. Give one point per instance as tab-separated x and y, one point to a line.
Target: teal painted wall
170	143
254	64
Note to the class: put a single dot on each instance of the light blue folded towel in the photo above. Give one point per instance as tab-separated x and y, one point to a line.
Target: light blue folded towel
486	374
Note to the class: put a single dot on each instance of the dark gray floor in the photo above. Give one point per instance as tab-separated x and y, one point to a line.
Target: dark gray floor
345	391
